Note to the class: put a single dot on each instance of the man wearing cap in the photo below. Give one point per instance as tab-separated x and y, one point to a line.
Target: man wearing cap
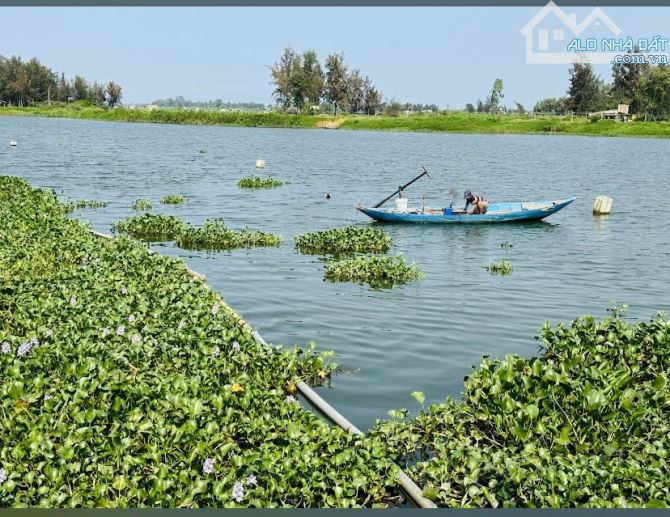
479	204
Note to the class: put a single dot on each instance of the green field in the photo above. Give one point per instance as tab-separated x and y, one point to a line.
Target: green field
456	122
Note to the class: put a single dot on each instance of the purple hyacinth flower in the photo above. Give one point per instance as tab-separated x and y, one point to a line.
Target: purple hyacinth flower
238	492
208	466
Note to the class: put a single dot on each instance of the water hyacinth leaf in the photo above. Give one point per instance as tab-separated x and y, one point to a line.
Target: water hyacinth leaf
660	382
16	389
419	396
594	399
532	411
293	431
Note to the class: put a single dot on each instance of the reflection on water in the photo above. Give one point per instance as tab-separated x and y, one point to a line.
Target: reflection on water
422	336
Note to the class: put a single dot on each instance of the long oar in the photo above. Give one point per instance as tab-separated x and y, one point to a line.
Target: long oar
400	189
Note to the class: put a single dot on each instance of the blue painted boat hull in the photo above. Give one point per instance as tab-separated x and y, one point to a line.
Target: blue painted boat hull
497	213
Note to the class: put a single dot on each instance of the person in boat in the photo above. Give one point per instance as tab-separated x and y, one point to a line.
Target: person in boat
475	204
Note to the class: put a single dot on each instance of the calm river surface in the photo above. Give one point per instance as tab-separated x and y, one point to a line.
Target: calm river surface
424	336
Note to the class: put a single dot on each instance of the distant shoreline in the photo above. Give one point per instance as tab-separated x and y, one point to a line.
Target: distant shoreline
457	122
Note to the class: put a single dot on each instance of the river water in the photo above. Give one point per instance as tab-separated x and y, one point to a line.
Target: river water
424	336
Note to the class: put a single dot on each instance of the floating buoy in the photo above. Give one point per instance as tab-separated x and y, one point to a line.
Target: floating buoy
260	164
12	143
602	205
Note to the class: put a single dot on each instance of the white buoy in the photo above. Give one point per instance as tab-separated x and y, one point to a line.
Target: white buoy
260	164
12	143
602	205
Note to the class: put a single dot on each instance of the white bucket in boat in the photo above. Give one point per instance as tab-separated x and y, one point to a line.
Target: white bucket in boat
401	204
602	205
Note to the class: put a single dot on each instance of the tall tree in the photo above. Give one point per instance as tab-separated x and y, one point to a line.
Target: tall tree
113	93
372	98
96	93
585	90
655	91
336	80
80	88
312	77
627	77
41	81
63	89
281	77
496	96
355	91
297	82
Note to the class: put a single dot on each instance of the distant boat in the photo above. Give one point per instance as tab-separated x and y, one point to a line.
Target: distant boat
496	213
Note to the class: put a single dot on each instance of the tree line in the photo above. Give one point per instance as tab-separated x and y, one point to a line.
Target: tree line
645	88
181	102
302	83
25	83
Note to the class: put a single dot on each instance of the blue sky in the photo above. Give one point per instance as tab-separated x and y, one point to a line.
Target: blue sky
445	55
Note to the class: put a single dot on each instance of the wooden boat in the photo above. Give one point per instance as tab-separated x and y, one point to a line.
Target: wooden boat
496	213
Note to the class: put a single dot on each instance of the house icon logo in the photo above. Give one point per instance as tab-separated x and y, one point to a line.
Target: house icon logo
550	31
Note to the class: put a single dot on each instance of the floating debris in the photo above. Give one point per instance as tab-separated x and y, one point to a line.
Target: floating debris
351	239
258	182
151	227
173	200
215	235
378	271
141	204
500	268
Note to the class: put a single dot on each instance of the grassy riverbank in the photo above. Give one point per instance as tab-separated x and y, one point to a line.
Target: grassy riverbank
456	122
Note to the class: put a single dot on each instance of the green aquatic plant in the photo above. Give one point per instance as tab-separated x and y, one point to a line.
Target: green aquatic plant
587	424
151	227
258	182
215	235
500	268
141	204
351	239
378	271
173	200
126	383
86	203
